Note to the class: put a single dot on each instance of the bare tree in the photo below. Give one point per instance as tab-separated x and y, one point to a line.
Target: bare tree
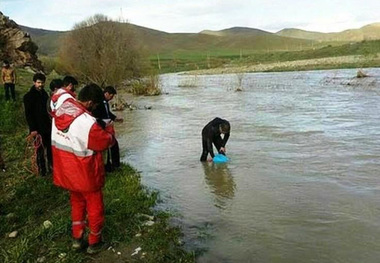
102	51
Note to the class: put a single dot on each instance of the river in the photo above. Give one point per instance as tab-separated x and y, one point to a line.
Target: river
303	180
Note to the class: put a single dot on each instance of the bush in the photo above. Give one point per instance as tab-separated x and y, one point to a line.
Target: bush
50	64
102	51
149	86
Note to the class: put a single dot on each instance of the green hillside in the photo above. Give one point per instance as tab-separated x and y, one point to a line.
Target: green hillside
236	31
232	40
364	48
46	40
155	41
209	49
368	32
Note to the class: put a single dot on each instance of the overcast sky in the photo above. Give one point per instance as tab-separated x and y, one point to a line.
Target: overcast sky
192	16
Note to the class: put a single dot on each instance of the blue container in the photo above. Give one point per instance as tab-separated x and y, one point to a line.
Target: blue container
220	158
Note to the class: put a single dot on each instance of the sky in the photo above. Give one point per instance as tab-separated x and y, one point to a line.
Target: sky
193	16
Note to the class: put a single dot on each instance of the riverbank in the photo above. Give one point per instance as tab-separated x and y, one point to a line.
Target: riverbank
35	215
357	61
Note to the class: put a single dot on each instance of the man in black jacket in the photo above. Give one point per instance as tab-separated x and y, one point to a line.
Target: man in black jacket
104	115
37	117
211	135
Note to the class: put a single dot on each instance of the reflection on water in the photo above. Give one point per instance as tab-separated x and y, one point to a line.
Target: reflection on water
302	183
219	179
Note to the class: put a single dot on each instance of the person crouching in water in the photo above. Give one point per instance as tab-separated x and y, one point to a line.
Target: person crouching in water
77	144
211	134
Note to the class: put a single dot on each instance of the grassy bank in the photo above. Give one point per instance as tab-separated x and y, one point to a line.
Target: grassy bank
296	65
220	59
368	49
40	212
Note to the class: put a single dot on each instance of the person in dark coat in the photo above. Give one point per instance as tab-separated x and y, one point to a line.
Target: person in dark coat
39	122
211	134
104	115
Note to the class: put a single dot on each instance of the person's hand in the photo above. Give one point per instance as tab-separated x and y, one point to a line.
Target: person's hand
109	123
210	159
32	135
222	150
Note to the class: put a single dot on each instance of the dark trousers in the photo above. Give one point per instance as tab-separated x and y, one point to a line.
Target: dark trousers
113	157
9	87
41	162
217	141
2	164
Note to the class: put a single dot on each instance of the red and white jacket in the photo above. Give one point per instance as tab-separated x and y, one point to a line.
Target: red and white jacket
59	97
77	145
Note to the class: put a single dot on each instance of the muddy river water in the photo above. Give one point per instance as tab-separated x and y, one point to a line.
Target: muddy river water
303	180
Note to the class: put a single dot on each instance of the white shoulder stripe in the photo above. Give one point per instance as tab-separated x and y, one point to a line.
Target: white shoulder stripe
75	139
60	101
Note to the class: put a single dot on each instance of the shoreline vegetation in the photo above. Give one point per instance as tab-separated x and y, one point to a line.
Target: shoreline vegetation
35	223
351	55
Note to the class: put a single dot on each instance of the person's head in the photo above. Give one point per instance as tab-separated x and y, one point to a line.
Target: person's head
6	63
55	84
224	128
39	81
90	96
70	83
109	93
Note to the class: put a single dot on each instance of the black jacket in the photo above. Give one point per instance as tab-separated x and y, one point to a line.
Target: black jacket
102	111
211	134
36	113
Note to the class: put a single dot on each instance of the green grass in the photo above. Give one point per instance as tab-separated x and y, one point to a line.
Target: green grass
365	48
192	60
27	201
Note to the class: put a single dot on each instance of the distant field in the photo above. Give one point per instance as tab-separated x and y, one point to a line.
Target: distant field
185	61
364	48
352	61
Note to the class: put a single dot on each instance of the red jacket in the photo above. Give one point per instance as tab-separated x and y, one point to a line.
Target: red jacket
77	143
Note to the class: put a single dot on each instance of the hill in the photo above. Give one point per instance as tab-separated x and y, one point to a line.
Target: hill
209	49
236	31
230	40
368	32
46	40
227	41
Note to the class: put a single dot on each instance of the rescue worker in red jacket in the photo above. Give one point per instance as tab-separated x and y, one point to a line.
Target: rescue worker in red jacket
77	144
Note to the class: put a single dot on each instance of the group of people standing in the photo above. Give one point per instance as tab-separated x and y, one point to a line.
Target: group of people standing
73	131
39	107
